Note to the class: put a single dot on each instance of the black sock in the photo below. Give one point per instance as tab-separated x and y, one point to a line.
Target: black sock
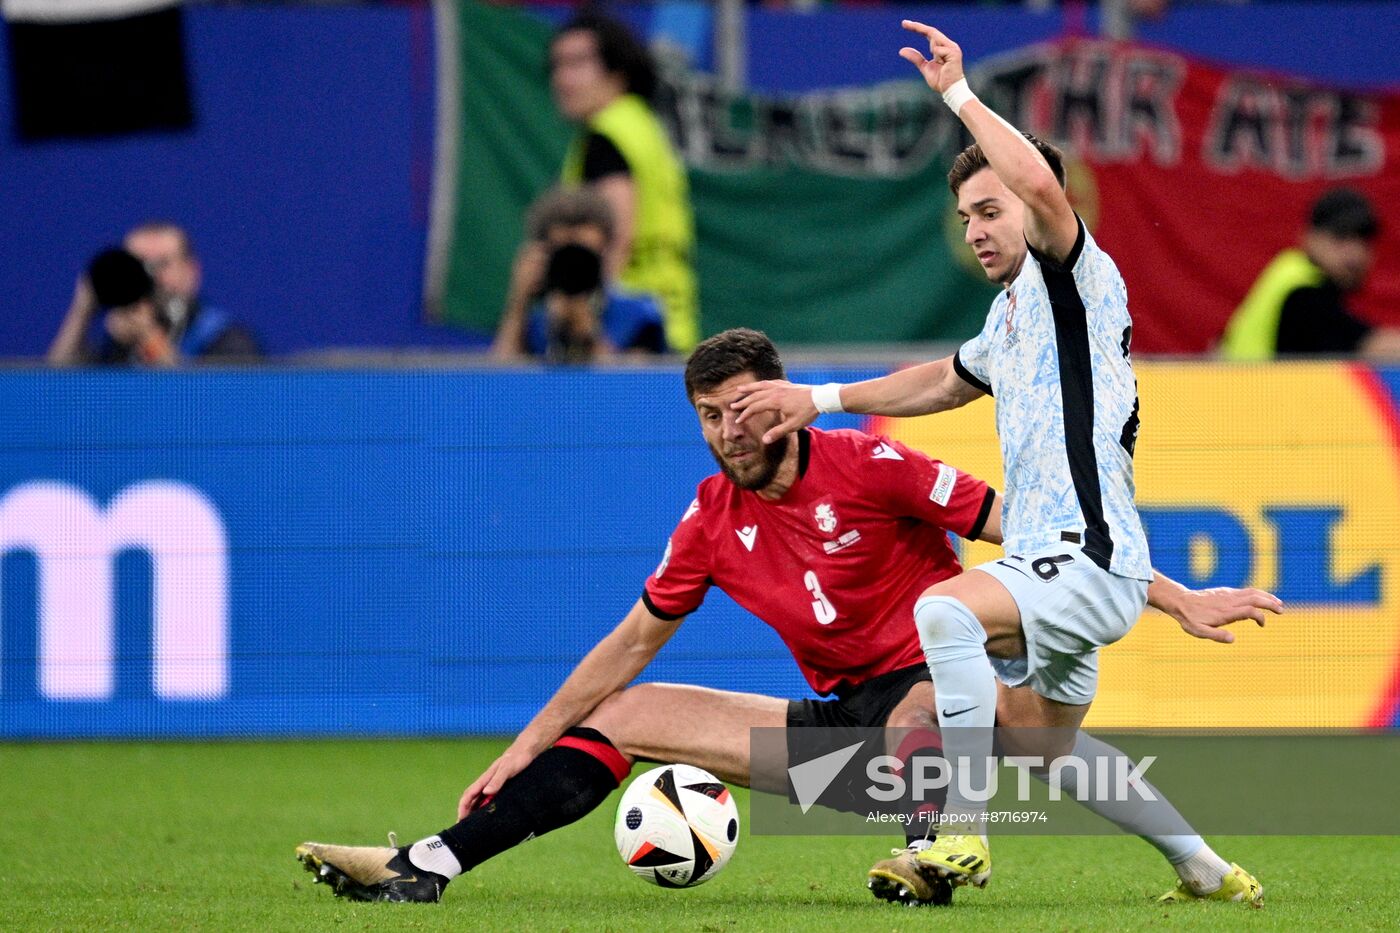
921	815
562	785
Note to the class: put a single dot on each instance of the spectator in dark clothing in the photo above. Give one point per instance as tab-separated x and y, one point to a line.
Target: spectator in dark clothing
136	330
195	329
1298	304
198	329
602	78
569	311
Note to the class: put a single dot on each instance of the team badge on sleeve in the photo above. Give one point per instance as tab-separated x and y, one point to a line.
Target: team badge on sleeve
825	517
943	486
665	559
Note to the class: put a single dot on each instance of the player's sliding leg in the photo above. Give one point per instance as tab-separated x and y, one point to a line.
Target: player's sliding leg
562	784
693	725
1201	872
707	728
953	620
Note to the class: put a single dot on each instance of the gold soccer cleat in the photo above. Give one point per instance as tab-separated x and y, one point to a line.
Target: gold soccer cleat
370	873
901	880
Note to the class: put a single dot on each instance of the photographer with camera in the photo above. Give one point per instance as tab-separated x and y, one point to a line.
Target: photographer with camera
196	330
137	331
561	306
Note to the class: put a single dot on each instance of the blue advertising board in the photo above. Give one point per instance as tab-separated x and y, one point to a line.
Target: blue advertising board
260	553
238	553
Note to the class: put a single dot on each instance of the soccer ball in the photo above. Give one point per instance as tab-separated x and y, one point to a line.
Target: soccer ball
676	826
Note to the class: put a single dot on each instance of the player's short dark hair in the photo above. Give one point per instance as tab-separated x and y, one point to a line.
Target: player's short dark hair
1345	213
619	49
726	355
568	207
972	160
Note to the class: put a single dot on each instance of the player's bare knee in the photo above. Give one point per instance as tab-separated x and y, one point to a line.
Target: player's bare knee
610	716
913	716
618	715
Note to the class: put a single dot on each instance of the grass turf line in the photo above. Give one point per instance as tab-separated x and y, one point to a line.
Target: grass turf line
200	837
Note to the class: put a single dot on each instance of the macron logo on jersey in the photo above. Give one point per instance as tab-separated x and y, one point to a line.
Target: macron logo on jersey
747	535
885	452
691	509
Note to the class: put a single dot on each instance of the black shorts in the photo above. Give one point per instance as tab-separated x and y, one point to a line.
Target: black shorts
820	727
864	706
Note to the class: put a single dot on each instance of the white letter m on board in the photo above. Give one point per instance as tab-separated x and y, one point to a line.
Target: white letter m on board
75	544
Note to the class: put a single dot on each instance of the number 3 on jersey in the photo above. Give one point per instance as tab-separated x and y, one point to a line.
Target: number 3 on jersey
821	606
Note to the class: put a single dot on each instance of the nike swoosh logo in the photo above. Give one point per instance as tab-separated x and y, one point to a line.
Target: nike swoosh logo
948	715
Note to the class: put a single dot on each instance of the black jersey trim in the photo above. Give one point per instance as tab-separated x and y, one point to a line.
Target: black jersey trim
1077	398
804	451
984	513
966	375
1046	260
662	613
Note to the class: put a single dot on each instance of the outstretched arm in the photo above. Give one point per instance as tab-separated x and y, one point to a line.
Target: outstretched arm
1202	613
918	390
610	666
1050	224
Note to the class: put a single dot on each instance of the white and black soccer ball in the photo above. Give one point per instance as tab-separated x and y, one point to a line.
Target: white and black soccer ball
677	826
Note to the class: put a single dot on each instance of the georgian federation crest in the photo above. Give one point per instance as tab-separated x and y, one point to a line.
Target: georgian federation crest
825	517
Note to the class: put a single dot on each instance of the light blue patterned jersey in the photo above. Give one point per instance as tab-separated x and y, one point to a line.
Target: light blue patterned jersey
1055	354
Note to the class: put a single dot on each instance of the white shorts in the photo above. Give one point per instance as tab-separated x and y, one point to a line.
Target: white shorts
1070	608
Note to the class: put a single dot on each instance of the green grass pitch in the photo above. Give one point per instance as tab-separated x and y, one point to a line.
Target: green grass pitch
174	836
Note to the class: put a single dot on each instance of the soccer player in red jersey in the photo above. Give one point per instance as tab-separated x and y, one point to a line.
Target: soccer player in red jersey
827	536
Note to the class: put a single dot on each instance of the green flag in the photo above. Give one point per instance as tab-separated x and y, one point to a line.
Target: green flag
821	218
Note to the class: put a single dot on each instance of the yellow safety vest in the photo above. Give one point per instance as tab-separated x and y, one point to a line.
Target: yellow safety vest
1252	334
663	236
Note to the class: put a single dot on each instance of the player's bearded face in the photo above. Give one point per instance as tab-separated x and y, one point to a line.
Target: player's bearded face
738	448
749	463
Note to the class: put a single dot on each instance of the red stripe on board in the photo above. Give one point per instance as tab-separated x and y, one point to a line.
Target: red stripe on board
1374	389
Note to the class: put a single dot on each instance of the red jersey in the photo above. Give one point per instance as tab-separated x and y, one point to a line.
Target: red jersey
834	565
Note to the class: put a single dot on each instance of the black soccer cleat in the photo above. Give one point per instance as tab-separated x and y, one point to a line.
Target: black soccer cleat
371	873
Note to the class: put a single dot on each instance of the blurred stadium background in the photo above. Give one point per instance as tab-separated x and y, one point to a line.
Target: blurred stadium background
378	516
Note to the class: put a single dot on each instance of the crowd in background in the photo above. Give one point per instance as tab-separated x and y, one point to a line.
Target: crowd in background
606	268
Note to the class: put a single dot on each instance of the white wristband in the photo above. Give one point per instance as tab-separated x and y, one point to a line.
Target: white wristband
957	95
827	398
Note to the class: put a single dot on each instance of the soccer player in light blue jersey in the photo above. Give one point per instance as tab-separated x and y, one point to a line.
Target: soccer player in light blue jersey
1054	352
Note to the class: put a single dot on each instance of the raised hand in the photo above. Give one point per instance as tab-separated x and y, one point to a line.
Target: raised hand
792	402
944	66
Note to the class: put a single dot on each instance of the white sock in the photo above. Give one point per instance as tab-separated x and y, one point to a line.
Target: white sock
965	686
1155	821
1203	871
432	854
